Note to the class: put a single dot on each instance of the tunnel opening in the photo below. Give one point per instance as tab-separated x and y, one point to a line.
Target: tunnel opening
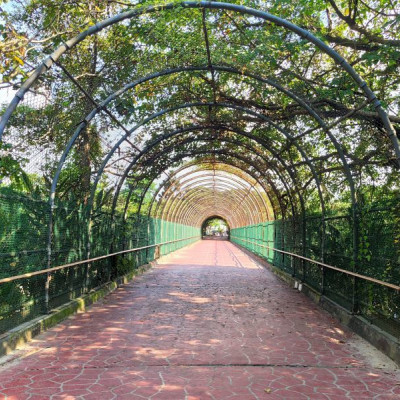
215	228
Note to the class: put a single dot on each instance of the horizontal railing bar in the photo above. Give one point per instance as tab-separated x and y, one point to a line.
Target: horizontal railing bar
74	264
355	274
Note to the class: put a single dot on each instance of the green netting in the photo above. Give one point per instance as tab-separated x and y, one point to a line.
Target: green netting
375	253
24	248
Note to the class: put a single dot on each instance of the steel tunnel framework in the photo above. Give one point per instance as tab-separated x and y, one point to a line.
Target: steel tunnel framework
192	130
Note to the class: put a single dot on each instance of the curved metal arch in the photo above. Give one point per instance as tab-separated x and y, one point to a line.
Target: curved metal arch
231	178
113	96
48	62
199	213
137	82
238	179
249	202
209	212
200	139
236	218
201	180
175	195
236	157
244	160
250	173
193	207
266	206
214	162
188	201
194	139
245	214
258	140
224	210
143	122
215	5
188	129
215	215
84	123
189	105
288	191
260	173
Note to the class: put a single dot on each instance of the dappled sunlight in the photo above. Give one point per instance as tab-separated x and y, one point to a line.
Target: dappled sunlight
179	328
190	299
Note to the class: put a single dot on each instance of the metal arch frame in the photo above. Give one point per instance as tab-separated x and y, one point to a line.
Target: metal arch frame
245	161
228	166
291	138
250	173
211	167
185	130
214	162
237	181
201	199
199	139
191	140
252	150
194	215
188	202
184	218
175	195
188	129
246	110
199	179
223	209
187	105
102	106
189	196
158	140
115	95
48	62
128	133
157	204
241	218
185	214
188	216
259	141
214	215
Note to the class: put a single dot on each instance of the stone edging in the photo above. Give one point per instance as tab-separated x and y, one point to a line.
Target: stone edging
24	333
380	339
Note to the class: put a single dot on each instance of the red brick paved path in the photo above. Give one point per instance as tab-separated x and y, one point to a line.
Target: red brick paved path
207	323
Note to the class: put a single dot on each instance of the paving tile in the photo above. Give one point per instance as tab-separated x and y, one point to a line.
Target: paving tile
207	323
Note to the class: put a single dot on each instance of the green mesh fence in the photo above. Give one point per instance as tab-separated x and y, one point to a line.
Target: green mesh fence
375	253
24	234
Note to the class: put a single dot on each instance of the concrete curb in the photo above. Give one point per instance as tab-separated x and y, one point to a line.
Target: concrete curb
383	341
24	333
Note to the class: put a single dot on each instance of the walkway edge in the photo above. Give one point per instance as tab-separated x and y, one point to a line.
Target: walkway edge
380	339
24	333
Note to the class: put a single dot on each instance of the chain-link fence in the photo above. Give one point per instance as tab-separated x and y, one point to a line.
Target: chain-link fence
25	248
368	245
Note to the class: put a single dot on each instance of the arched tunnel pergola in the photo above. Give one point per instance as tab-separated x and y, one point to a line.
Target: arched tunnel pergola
182	131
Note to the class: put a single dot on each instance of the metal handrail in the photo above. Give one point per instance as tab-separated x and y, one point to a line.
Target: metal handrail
323	265
74	264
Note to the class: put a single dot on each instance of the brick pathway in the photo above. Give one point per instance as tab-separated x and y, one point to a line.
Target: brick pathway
207	323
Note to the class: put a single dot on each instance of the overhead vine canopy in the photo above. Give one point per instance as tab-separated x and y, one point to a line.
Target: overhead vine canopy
185	110
209	77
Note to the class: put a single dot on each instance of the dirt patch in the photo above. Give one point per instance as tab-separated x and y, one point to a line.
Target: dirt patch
374	357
